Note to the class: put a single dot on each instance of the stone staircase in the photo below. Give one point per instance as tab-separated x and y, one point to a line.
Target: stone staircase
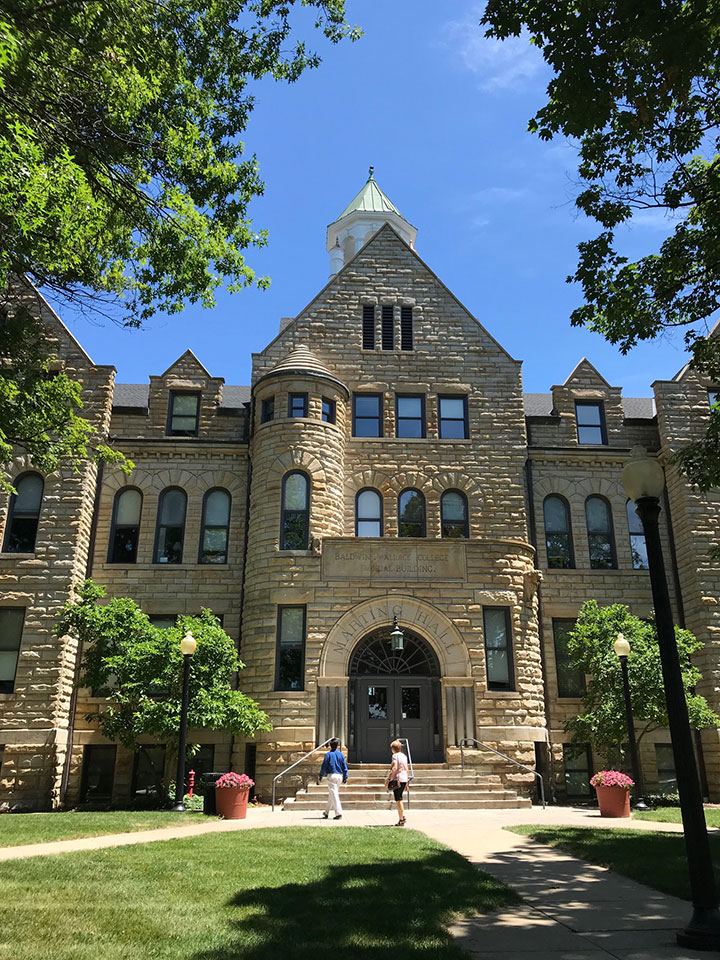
436	786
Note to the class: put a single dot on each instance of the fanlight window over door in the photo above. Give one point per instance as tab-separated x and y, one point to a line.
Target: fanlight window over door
374	656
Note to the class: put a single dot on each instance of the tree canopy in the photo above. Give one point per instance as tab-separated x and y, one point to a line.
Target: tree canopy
637	86
123	177
601	720
139	669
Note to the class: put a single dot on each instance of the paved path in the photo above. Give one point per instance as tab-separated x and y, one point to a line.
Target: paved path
571	910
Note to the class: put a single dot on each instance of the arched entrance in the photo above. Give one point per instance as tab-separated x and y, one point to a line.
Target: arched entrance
394	693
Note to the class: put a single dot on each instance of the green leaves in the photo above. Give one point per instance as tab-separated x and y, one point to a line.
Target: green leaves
602	717
637	87
122	176
139	669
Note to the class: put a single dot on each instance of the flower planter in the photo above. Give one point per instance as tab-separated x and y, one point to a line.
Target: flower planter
613	801
232	802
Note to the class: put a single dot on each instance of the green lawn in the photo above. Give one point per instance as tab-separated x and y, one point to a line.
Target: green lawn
672	815
17	829
304	893
655	859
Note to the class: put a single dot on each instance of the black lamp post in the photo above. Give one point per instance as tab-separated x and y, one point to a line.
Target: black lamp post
622	650
644	482
187	647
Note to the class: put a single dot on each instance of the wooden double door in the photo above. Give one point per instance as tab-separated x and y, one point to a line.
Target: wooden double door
386	708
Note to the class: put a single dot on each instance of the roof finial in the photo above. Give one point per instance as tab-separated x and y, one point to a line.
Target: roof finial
371	172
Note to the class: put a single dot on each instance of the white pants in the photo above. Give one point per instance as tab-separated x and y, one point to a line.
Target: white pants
333	801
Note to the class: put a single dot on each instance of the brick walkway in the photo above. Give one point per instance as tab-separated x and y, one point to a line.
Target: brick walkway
571	910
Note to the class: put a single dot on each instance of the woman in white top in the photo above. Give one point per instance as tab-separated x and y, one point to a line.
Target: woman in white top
397	779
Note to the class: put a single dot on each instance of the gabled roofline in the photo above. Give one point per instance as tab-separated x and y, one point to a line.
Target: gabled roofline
201	365
373	238
592	367
31	286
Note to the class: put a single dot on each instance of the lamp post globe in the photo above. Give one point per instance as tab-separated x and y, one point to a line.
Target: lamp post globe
622	651
644	482
188	645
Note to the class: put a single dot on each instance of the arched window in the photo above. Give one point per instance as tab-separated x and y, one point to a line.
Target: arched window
601	542
638	546
411	514
454	515
558	533
170	531
125	527
368	513
215	527
24	514
295	511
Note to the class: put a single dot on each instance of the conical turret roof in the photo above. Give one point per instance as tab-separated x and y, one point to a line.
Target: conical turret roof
371	199
302	360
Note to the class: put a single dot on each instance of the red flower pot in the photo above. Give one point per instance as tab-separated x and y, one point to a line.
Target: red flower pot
613	801
231	802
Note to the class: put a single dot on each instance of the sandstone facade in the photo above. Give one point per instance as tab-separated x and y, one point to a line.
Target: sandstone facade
308	599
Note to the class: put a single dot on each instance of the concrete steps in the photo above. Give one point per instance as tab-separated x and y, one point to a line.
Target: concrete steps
435	787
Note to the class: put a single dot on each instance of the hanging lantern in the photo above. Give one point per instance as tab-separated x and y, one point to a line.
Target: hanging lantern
397	638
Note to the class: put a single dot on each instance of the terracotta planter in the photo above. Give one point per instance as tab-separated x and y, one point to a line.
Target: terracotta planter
231	802
613	801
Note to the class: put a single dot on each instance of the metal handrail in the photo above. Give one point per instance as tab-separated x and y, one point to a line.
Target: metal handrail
288	769
505	757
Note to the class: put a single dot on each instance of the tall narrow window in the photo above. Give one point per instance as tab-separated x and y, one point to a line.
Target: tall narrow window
498	648
665	760
638	546
295	511
125	528
24	514
453	418
267	410
297	405
454	515
410	416
98	773
148	771
170	526
601	541
368	514
558	533
328	410
590	417
570	680
368	326
183	414
367	415
215	527
388	326
290	652
576	761
11	628
411	514
406	328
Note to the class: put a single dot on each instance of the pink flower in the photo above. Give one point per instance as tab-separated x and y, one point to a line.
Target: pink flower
611	778
235	780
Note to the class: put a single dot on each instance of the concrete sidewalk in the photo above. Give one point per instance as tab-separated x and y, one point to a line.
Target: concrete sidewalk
571	910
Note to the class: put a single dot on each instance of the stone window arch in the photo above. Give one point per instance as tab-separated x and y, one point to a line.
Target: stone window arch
601	537
368	513
411	513
454	520
170	528
24	514
125	525
295	511
558	533
215	528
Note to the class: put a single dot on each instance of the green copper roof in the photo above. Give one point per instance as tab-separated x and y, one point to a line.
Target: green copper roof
371	199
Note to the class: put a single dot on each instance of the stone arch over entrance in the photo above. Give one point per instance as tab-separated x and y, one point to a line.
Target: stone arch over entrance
418	615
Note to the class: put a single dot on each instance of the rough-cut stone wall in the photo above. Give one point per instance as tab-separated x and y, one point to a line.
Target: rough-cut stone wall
35	717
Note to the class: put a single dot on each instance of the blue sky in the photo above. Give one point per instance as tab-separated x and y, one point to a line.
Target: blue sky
441	113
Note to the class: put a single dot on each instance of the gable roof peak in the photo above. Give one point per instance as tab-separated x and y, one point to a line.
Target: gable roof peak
584	362
188	355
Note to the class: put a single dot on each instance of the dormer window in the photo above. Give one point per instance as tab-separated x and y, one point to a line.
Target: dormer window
183	414
590	416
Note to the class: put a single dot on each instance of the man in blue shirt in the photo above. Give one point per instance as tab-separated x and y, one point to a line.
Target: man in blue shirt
335	769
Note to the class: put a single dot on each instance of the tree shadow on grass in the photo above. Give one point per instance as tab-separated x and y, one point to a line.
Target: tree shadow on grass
378	911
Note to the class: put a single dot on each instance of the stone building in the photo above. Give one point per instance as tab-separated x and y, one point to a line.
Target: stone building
384	463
